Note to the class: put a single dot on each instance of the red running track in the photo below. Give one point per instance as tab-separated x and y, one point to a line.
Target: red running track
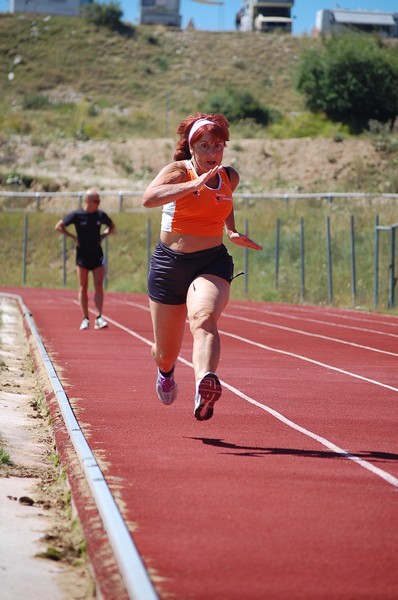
289	492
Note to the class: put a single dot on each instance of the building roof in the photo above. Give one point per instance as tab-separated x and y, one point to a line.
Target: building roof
351	17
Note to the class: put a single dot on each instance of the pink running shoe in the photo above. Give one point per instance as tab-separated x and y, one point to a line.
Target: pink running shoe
208	392
166	388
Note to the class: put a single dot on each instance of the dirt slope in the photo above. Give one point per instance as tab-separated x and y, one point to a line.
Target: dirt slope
278	166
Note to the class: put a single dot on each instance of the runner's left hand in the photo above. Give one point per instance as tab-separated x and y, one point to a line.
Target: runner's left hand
241	239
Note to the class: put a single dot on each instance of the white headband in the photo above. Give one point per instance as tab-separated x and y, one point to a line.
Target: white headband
196	126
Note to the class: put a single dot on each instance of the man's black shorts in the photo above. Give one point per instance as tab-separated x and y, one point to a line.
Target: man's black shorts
171	273
90	259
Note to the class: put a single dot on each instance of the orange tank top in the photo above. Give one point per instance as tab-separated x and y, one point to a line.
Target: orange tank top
200	214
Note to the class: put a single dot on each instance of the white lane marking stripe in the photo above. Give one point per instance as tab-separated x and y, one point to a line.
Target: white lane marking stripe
338	313
310	360
309	334
270	349
323	441
323	322
267	311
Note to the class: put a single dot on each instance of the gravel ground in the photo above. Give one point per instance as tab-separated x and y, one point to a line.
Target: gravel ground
37	556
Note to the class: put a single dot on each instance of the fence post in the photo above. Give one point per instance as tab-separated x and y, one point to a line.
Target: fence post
329	261
353	273
63	260
302	262
376	264
166	114
148	242
120	201
25	247
393	281
277	240
106	261
246	259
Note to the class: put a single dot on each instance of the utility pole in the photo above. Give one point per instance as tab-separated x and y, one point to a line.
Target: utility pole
251	15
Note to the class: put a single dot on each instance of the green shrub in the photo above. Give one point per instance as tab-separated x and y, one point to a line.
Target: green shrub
35	102
103	15
16	179
353	79
237	106
5	457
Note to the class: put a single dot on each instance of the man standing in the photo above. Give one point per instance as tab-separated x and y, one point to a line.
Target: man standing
89	255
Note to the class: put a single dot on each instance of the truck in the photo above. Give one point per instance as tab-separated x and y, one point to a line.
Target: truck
160	12
266	16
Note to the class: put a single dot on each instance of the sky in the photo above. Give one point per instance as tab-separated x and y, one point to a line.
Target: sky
222	18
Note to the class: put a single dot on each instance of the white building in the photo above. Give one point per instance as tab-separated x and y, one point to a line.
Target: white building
368	21
50	7
160	12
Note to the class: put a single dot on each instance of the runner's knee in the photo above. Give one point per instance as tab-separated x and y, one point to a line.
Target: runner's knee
202	320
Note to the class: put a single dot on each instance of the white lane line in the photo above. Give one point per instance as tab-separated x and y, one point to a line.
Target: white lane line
321	321
323	441
309	334
338	313
270	349
128	330
310	360
302	310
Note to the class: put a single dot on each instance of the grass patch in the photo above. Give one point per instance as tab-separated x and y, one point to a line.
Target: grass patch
5	458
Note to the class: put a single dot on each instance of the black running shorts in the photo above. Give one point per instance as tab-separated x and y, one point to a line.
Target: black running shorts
90	259
171	273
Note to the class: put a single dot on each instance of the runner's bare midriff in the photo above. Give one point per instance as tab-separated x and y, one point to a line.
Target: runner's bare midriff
189	243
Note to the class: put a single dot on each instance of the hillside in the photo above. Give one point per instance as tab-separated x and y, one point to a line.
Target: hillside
134	78
84	106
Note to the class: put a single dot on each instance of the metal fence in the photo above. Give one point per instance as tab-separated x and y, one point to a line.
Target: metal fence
125	200
121	201
391	229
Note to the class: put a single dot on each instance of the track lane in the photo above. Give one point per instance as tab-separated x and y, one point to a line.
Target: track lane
325	442
382	346
353	321
327	393
243	506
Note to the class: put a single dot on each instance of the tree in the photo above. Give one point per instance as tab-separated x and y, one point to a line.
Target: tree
105	15
353	79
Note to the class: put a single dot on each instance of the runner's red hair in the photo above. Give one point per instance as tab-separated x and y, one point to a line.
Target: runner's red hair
218	131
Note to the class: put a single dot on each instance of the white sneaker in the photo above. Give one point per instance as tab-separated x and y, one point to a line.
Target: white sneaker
100	323
85	324
208	391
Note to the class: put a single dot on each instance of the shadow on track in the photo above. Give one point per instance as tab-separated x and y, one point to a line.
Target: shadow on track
257	451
